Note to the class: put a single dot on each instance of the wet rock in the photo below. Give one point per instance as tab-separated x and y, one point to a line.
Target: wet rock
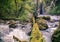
29	33
52	21
12	24
42	24
1	40
17	22
46	17
23	26
55	25
7	22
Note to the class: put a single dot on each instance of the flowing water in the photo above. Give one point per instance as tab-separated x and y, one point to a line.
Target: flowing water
6	33
47	34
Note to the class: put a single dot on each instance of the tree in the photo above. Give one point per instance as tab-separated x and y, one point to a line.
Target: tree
55	10
15	8
7	8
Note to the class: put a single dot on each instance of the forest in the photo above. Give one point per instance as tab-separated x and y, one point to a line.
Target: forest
20	8
29	20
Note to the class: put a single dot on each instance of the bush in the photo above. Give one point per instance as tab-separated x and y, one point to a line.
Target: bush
56	35
24	19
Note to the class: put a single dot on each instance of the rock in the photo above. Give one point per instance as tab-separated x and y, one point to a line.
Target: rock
42	24
7	22
55	25
46	17
52	21
12	26
12	22
17	22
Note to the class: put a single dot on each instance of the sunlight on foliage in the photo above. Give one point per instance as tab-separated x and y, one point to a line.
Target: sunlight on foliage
36	35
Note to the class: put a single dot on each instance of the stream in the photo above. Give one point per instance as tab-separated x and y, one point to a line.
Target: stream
47	34
4	29
6	33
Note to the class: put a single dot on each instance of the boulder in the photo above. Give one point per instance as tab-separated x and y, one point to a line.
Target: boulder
42	24
12	24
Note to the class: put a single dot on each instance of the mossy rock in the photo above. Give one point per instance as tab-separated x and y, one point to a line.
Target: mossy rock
42	24
43	27
41	21
12	22
46	17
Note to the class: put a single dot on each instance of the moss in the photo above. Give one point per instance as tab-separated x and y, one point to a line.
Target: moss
42	24
46	17
36	35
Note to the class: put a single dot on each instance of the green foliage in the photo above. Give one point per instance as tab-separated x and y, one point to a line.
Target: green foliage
7	8
15	8
56	36
47	2
55	10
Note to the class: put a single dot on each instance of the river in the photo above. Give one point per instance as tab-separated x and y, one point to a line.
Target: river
5	31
